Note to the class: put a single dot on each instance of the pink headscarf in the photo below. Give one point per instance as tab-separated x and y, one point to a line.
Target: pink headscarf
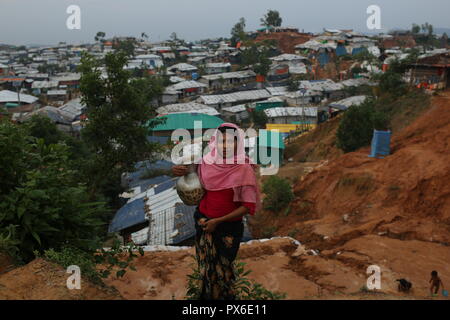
217	173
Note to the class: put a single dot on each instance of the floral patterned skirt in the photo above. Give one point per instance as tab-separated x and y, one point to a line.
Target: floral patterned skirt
215	254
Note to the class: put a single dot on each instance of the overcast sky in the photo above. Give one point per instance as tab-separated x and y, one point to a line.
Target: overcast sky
44	21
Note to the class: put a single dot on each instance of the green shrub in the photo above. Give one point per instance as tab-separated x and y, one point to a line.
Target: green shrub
278	193
392	83
267	232
357	125
96	265
9	243
292	233
40	195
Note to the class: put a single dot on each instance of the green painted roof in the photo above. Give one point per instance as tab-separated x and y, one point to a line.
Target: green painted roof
268	104
186	121
265	139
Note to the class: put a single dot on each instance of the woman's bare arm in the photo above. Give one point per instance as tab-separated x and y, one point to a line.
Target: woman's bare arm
182	170
239	212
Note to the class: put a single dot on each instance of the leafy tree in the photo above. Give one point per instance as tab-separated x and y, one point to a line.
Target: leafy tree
278	193
271	19
42	127
238	32
256	55
173	37
444	40
144	36
100	36
259	118
119	108
415	29
293	85
51	68
392	83
357	125
126	46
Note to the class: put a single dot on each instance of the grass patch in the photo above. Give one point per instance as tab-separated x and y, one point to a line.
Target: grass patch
293	233
361	184
268	232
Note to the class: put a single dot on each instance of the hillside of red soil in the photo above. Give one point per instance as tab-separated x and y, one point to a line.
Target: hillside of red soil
392	212
286	41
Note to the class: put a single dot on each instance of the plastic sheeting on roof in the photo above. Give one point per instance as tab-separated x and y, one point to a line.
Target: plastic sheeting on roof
44	84
74	108
137	210
346	103
321	85
186	85
291	112
288	57
230	75
186	108
183	67
54	114
235	109
11	96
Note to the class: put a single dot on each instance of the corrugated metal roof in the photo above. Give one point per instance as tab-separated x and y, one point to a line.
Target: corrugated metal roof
277	91
74	108
321	85
163	186
182	67
175	79
54	114
230	75
172	225
164	197
56	92
186	85
235	109
218	65
11	96
137	209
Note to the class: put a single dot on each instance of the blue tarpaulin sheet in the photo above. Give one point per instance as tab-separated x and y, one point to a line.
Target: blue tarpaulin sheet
341	51
129	215
323	58
381	144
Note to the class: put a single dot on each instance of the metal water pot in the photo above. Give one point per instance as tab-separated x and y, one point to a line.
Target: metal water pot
189	187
